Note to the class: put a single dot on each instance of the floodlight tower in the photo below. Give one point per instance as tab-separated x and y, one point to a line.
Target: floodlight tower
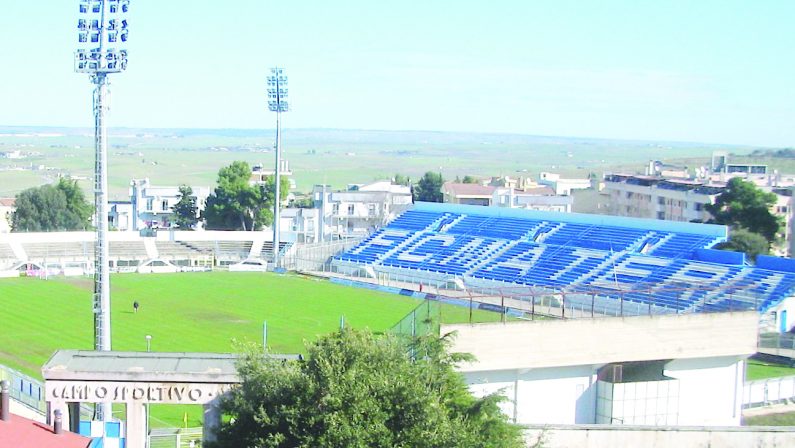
277	102
102	31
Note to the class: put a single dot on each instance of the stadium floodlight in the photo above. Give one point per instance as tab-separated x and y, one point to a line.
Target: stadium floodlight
102	30
277	102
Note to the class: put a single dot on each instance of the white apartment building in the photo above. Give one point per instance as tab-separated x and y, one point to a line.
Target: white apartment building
6	209
561	185
360	209
151	206
529	197
682	200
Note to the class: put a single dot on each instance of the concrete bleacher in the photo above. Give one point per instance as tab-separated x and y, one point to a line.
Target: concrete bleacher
6	253
124	250
58	250
650	263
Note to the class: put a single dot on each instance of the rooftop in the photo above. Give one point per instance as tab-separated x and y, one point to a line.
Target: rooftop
143	366
20	432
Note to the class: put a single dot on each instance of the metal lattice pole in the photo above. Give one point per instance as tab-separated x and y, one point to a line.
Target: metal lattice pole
102	30
277	102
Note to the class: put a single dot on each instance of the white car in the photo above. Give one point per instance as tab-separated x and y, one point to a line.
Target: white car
250	265
157	267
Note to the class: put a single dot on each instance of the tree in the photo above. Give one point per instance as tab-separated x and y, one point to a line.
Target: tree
358	390
429	188
185	210
741	240
470	179
400	179
743	205
52	208
237	205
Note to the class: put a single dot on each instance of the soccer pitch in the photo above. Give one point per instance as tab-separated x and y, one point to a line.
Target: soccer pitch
190	312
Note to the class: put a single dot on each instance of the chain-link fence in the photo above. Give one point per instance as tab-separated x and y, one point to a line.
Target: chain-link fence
421	321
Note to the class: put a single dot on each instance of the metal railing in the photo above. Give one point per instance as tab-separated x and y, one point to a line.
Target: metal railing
25	389
768	391
175	438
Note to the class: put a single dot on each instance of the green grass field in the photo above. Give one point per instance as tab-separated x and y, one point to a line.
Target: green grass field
759	370
190	312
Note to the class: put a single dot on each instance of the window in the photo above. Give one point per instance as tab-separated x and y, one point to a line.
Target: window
350	209
698	206
335	209
629	195
164	205
661	201
150	203
660	215
371	209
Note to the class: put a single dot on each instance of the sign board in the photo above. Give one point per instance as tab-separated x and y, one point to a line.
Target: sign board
133	392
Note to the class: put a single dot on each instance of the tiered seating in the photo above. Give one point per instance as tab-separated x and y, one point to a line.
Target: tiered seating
450	254
176	249
681	245
652	267
375	246
54	250
128	250
267	248
233	248
493	227
6	253
417	220
595	237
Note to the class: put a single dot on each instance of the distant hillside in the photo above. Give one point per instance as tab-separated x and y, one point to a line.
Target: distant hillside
785	153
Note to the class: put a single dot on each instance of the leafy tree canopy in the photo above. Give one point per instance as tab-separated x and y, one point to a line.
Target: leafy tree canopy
358	390
400	179
741	240
48	208
237	205
186	210
470	179
743	205
429	188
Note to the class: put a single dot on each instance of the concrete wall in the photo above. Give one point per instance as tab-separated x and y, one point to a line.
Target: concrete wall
565	395
710	390
556	343
608	436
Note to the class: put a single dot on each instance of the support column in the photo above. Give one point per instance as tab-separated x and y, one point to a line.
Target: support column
212	421
72	423
136	425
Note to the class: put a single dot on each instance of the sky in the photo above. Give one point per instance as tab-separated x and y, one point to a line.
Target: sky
718	71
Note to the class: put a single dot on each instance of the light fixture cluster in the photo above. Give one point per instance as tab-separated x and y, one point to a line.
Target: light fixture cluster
102	29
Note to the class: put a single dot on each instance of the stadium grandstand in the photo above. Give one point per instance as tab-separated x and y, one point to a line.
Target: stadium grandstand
72	253
662	266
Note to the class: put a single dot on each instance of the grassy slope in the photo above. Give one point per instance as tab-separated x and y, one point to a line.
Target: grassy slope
189	312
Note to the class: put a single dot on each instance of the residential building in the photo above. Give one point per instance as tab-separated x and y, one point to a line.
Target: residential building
7	207
152	205
300	225
683	200
530	196
120	215
360	209
561	185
